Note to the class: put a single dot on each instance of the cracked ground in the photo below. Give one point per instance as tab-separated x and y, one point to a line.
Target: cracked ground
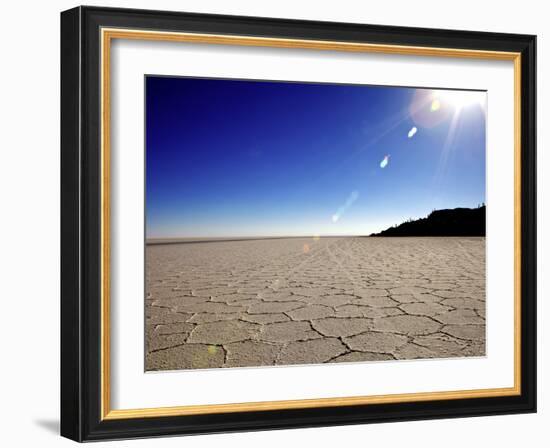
310	301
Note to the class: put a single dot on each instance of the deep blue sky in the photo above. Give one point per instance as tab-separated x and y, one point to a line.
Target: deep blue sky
257	158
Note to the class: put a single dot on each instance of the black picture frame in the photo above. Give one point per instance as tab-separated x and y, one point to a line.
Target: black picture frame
81	381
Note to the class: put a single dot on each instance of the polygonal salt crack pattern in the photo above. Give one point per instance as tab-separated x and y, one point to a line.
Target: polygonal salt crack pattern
304	300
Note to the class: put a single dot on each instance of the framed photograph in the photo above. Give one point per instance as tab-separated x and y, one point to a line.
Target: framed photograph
276	224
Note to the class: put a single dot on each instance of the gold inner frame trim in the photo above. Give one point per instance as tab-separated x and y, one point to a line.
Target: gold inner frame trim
107	35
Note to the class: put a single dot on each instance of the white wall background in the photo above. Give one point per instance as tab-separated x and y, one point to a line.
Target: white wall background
29	228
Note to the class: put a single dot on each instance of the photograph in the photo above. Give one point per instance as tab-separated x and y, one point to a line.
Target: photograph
283	221
297	223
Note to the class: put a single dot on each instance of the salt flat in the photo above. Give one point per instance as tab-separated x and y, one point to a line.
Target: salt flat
303	300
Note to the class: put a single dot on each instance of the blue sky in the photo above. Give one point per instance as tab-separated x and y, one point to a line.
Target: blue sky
261	158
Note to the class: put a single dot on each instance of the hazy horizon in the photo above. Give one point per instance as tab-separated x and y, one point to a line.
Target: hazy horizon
258	159
270	236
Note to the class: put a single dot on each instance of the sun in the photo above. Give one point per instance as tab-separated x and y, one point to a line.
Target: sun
458	99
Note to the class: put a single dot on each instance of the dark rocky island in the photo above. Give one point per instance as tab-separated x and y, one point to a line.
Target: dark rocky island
447	222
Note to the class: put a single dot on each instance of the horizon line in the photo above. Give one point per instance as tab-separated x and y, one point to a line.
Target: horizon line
202	238
221	239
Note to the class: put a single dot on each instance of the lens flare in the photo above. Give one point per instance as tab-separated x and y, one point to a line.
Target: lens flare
349	202
212	349
413	131
385	161
306	248
427	110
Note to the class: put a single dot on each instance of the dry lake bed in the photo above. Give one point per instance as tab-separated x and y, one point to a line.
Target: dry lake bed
304	300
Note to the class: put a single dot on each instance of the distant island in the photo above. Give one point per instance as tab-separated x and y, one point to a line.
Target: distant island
447	222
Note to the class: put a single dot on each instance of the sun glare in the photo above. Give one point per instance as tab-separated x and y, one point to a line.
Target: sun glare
459	99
